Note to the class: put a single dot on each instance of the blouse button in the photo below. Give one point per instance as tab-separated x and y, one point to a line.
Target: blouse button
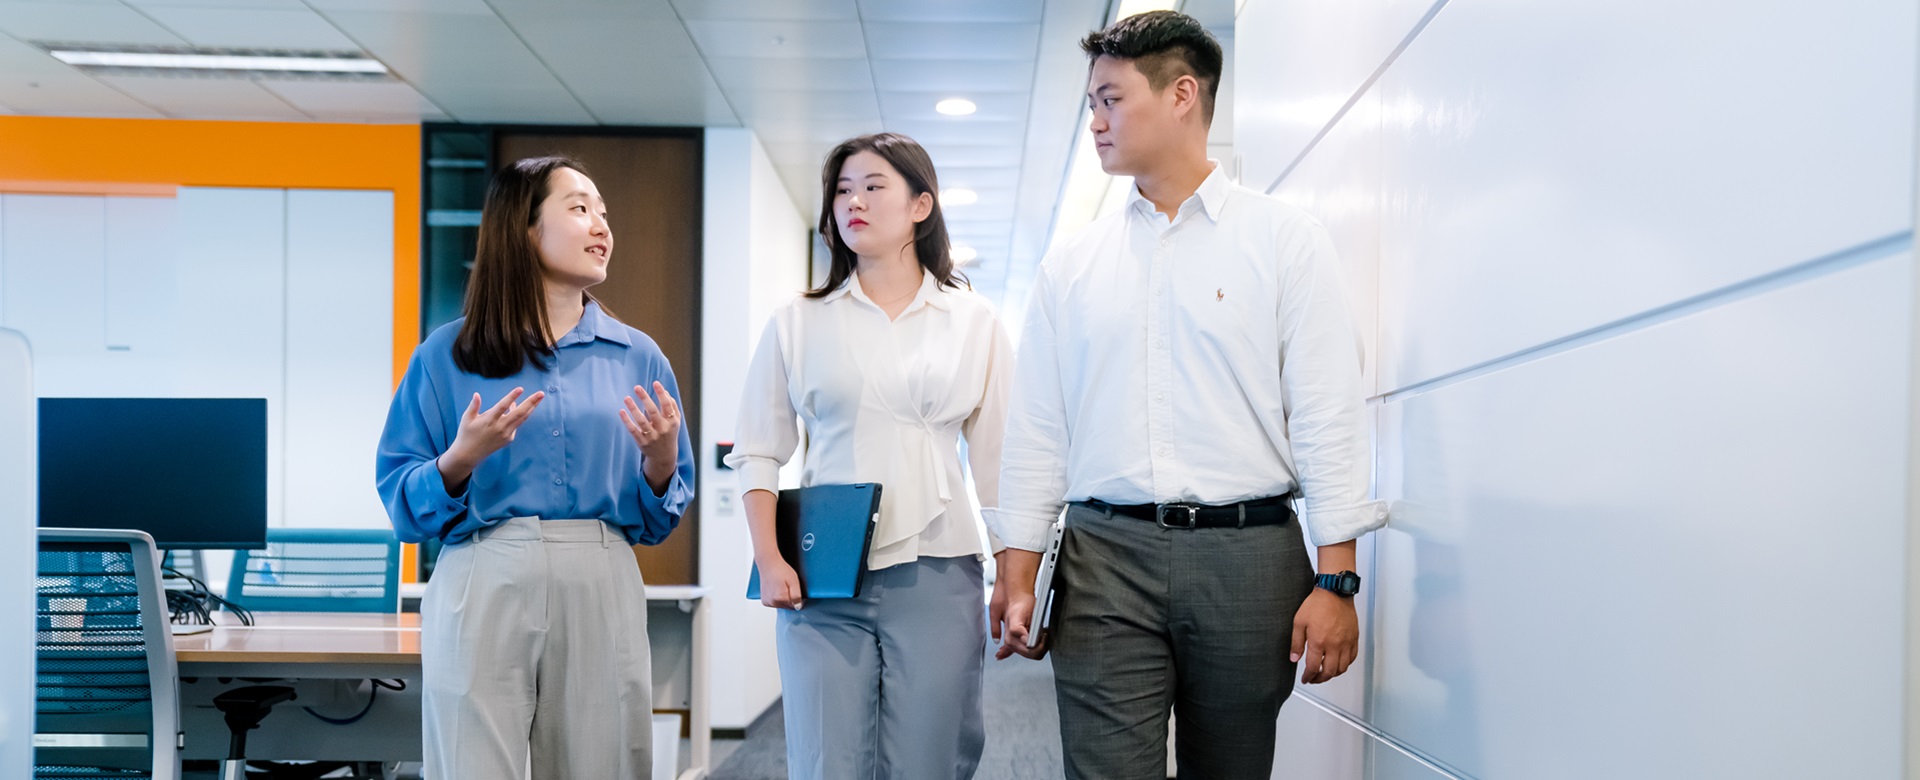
556	431
559	481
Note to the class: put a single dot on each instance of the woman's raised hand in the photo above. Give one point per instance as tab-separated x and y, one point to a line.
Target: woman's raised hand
655	426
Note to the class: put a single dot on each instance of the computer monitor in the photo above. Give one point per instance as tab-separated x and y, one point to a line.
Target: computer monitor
191	472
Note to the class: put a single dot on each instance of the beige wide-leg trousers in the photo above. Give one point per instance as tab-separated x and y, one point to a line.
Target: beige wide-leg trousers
533	641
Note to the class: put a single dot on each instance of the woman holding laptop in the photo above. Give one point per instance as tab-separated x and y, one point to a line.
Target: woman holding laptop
888	364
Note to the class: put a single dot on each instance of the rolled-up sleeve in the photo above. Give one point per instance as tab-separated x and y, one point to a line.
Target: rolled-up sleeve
1321	388
405	470
1033	467
769	428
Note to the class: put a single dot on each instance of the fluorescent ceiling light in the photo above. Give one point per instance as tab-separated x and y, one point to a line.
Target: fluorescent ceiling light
955	107
963	254
221	61
959	196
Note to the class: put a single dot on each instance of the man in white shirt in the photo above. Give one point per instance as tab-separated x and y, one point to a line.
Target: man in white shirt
1187	369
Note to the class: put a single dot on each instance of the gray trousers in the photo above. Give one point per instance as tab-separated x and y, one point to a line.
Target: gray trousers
887	685
533	644
1197	621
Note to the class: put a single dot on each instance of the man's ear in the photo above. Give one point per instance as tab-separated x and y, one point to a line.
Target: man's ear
1186	95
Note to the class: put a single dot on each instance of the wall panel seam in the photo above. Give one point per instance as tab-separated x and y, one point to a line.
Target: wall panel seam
1357	94
1382	737
1897	244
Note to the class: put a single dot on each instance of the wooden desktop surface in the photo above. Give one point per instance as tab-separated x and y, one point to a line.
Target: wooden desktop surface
307	638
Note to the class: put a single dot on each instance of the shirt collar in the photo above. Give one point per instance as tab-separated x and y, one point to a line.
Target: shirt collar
1212	195
595	324
929	294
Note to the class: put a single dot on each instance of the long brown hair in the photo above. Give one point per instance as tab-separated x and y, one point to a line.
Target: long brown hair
930	241
506	305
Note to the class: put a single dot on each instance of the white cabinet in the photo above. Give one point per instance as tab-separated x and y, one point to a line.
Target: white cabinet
221	292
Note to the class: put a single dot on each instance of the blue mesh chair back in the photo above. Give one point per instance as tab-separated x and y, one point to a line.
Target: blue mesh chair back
106	702
319	570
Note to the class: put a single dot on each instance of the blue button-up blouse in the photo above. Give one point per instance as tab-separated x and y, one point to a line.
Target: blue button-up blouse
571	459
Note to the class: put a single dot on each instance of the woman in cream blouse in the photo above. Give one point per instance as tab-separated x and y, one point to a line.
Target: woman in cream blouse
888	364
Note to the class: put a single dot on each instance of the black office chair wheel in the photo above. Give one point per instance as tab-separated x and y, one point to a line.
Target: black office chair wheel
245	708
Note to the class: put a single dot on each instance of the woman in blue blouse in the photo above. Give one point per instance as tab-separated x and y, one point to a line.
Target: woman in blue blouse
513	439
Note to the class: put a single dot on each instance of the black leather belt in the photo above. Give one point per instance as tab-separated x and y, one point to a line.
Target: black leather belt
1259	511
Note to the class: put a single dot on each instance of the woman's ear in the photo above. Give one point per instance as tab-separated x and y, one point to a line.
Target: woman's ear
922	206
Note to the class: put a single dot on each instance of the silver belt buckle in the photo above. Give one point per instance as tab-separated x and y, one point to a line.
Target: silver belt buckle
1193	515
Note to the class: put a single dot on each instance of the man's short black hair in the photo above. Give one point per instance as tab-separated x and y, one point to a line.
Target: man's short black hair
1163	46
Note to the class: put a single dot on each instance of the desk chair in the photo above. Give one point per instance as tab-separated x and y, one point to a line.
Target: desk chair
319	570
107	701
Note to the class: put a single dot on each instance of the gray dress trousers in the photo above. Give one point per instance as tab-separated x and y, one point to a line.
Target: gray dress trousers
1198	621
887	685
533	643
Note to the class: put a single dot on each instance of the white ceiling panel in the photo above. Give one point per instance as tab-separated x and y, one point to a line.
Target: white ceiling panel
750	74
952	40
284	5
919	106
474	7
979	179
828	131
971	154
936	131
82	23
337	101
253	28
755	107
190	98
951	10
774	10
674	92
935	74
778	39
33	83
473	67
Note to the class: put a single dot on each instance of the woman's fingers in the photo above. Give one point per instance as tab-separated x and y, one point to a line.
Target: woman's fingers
505	404
667	405
521	411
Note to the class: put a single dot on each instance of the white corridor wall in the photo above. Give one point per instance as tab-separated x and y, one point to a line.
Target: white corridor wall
285	295
1636	282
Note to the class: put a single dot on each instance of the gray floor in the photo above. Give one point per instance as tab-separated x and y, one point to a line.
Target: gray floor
1023	731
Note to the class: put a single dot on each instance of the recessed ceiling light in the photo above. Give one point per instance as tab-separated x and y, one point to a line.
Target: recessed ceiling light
959	196
963	254
955	107
161	61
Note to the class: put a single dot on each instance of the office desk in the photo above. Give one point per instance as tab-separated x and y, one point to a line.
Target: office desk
328	655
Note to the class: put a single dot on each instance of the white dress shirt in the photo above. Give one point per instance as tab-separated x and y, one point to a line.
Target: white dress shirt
884	401
1209	358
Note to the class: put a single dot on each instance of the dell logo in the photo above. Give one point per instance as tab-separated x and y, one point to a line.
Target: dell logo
806	542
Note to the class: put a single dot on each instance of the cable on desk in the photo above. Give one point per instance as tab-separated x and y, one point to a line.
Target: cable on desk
195	605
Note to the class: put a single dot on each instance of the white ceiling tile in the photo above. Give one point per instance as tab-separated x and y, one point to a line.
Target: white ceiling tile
778	39
472	67
284	5
82	23
978	178
337	100
254	28
951	10
206	98
474	7
676	92
953	40
991	106
971	154
33	83
1011	133
829	131
989	76
749	73
813	10
756	107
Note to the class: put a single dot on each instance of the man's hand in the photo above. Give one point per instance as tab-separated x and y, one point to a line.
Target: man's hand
1010	614
1326	636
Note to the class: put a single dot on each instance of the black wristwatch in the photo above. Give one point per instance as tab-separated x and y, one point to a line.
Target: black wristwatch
1345	583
